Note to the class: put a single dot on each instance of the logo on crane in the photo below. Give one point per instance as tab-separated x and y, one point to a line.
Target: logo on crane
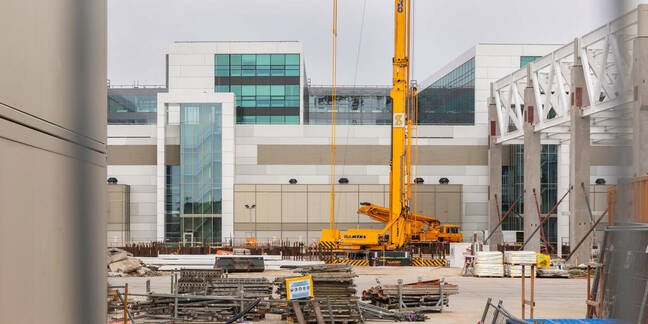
399	8
358	236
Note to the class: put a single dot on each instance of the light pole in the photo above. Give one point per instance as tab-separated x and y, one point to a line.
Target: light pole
249	208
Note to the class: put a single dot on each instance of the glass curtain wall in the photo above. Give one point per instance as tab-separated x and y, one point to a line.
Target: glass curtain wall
513	188
172	204
351	109
266	86
451	99
132	106
200	169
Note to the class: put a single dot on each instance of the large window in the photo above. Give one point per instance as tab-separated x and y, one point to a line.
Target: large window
200	170
451	99
132	105
524	60
513	187
356	106
172	204
266	86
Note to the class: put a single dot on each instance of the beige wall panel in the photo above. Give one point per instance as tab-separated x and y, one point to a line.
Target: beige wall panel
426	204
425	188
262	226
294	207
368	155
268	209
319	188
346	207
244	187
319	206
132	155
448	188
268	187
296	226
241	214
346	188
448	207
172	155
340	226
372	188
294	188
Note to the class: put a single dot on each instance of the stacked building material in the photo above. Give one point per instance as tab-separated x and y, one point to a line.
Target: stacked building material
489	264
204	295
513	259
333	289
424	296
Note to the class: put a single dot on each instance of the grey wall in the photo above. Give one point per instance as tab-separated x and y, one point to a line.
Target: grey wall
53	161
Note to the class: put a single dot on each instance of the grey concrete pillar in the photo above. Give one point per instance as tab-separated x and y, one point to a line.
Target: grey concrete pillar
640	91
532	150
579	163
494	173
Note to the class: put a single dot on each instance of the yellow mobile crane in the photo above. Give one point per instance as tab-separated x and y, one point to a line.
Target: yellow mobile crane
401	226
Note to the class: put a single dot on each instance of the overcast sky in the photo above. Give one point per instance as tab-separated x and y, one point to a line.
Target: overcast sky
139	31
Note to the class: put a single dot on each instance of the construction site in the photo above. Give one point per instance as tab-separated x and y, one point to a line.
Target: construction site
509	186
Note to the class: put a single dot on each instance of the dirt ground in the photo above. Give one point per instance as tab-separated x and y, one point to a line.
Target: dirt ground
555	298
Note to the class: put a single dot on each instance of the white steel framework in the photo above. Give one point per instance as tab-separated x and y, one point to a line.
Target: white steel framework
606	56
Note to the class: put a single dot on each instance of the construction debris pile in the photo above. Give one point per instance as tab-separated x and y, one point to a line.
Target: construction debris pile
333	289
204	295
121	263
489	264
420	297
513	259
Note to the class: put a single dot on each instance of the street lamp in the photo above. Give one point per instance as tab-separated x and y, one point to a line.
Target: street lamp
249	208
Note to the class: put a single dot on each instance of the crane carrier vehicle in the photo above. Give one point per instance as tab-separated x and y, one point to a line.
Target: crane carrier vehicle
403	229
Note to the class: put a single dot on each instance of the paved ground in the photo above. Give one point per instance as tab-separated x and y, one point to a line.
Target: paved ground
555	298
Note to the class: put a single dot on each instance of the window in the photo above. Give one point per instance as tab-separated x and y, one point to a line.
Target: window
260	99
513	187
524	60
451	99
355	105
200	194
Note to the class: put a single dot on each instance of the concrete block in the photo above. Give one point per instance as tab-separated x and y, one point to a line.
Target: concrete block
127	265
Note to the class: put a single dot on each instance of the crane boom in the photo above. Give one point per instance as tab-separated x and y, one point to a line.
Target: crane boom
399	122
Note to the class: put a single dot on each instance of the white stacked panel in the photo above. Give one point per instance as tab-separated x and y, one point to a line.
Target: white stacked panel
489	264
512	259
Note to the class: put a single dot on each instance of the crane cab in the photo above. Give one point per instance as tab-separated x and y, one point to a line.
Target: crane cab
450	233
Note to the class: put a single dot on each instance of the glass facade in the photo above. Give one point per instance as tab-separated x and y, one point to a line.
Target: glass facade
266	86
354	105
524	60
200	173
172	204
136	106
451	99
513	187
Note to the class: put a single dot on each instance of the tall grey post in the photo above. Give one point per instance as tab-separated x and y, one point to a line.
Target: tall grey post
532	150
640	91
579	162
494	173
53	161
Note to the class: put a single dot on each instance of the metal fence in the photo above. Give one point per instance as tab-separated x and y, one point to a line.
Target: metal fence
496	314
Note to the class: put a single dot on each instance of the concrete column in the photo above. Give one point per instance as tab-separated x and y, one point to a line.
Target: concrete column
494	173
563	186
532	150
579	163
640	91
